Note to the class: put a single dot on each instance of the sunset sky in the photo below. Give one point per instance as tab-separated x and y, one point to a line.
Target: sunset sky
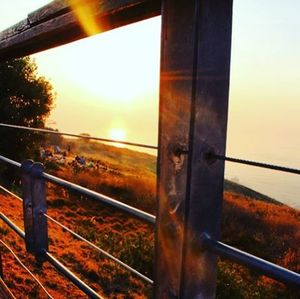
107	85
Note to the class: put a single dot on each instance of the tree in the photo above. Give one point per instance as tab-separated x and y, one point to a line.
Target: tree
25	99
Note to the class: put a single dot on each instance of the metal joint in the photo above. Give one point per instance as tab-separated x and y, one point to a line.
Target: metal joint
26	166
210	156
37	169
204	241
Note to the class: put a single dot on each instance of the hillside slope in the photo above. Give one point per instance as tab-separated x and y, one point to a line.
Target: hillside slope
247	192
251	221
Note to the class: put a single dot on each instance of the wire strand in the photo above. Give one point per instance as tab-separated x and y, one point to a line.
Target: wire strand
7	291
254	163
100	250
79	136
87	241
25	268
11	193
135	212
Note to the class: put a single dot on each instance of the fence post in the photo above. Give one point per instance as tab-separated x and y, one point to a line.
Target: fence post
208	134
27	204
194	83
176	88
39	207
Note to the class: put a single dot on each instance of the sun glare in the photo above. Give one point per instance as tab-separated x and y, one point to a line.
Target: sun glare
119	135
85	15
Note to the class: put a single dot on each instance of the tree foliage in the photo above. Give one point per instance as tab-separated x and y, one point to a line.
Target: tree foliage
26	99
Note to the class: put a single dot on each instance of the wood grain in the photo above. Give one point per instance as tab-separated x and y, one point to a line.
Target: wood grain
57	24
176	87
27	205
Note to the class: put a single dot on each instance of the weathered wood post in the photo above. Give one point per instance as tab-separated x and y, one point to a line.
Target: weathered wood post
39	208
194	84
27	204
176	88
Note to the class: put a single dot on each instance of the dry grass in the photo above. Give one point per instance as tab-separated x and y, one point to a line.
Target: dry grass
267	230
123	237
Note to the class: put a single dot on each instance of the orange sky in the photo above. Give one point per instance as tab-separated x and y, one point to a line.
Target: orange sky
110	82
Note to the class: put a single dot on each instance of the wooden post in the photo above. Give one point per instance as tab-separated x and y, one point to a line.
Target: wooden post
27	204
39	207
208	134
195	61
176	89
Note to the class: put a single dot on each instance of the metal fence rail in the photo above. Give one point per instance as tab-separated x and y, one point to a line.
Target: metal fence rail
262	266
71	276
265	267
78	236
55	262
144	216
193	109
105	253
33	174
26	269
9	161
14	227
217	247
101	198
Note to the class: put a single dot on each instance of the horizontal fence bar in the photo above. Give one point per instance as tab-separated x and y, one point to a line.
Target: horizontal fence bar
144	216
105	253
79	136
12	225
101	198
26	269
58	265
254	163
71	276
137	273
9	161
267	268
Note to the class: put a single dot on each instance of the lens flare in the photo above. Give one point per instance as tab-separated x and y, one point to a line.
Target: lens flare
85	12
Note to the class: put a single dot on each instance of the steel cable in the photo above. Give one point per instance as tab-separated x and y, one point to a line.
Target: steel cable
100	250
11	193
212	156
79	136
26	269
88	242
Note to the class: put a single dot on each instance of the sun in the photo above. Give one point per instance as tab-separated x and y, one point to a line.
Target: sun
118	134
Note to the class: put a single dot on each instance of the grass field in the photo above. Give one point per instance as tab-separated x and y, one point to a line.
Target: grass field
251	221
